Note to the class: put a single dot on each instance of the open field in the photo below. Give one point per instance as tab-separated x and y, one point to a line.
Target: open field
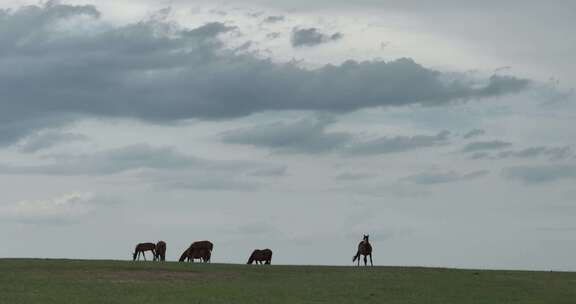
74	281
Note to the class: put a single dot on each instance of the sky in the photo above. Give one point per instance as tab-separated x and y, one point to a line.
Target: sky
445	131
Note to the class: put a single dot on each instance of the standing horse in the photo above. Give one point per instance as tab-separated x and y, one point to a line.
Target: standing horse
160	251
365	249
142	248
259	256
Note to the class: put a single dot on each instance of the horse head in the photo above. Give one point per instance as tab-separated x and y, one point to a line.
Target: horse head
134	256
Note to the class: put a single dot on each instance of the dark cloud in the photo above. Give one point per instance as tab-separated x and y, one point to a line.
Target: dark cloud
473	133
541	174
385	145
67	208
479	146
349	176
269	172
302	136
553	153
310	135
274	19
47	139
430	178
111	161
156	71
311	37
274	35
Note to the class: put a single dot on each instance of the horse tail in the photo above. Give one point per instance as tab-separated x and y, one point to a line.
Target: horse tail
357	256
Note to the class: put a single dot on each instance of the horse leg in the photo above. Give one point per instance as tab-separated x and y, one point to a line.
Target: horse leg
371	264
365	260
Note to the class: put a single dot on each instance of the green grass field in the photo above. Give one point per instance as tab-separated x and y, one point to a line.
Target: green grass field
73	281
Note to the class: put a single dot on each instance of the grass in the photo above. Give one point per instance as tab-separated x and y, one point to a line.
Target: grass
75	281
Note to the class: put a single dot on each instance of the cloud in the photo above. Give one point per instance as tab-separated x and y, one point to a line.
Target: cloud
431	178
62	62
541	174
66	208
553	153
269	172
310	136
274	19
47	139
311	37
348	176
473	133
137	156
302	136
479	146
158	167
385	145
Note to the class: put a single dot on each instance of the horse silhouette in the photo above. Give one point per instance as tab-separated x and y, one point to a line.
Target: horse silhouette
142	248
160	251
259	256
365	249
198	250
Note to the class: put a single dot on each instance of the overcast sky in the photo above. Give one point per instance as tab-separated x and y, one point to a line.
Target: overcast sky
445	131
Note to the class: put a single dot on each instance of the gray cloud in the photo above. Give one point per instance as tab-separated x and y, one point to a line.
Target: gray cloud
302	136
302	37
541	174
310	135
64	209
349	176
269	172
156	71
110	162
274	19
553	153
431	178
47	139
397	144
473	133
479	146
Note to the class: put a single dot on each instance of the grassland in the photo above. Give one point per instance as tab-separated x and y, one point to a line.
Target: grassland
73	281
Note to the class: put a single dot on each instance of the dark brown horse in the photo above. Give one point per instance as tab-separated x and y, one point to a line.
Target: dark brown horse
160	251
142	248
365	249
198	250
259	256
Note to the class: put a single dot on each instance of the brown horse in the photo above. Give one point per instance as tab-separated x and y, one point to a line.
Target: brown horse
198	250
142	248
259	256
365	249
160	251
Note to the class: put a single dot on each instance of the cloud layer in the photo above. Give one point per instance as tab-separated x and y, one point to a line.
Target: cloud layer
60	62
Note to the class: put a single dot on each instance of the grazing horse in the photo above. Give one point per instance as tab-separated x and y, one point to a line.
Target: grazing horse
259	256
198	250
160	251
142	248
365	249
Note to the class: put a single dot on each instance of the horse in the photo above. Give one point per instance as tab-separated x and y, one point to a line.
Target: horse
142	248
259	256
198	250
365	249
160	251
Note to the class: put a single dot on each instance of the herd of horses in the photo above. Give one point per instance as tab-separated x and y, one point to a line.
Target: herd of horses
202	250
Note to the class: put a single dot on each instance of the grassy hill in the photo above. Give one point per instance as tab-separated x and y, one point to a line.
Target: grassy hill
73	281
